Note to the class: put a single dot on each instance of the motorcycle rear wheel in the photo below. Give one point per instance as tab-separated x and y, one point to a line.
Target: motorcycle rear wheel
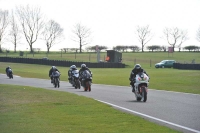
89	85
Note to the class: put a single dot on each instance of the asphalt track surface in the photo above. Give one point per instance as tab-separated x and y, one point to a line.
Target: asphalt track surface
180	111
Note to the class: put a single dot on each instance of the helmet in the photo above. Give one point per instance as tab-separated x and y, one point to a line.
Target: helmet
53	67
83	66
73	67
8	66
137	67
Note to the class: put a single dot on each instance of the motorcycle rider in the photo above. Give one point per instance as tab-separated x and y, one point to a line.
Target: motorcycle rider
72	68
83	68
53	69
7	68
137	68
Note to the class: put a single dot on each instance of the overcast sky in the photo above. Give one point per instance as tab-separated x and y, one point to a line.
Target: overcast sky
114	22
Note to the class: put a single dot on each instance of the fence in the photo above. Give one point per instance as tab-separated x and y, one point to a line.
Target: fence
186	66
61	62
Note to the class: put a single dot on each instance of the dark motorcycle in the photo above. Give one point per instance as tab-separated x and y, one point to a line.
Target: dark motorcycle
86	80
10	74
56	79
75	79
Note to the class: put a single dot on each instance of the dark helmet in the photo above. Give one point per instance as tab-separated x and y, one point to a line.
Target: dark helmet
83	66
9	67
137	67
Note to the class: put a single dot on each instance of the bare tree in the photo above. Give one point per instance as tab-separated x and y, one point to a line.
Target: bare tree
144	35
121	48
4	21
82	35
14	32
134	48
31	22
175	37
198	34
52	34
93	48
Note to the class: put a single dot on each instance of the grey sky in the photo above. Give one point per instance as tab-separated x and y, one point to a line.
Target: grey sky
113	22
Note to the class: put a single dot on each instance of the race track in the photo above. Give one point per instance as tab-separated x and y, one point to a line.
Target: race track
179	111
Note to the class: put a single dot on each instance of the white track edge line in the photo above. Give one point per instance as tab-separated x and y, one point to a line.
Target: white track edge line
154	118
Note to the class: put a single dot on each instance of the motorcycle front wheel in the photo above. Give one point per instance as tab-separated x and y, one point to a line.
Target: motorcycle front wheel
58	83
144	94
55	83
78	84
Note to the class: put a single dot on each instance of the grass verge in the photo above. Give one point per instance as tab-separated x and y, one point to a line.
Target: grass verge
36	110
162	79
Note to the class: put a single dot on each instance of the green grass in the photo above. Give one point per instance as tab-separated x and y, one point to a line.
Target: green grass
35	110
162	79
39	110
129	58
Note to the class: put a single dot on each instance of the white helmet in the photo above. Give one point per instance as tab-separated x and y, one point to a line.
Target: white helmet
73	67
53	67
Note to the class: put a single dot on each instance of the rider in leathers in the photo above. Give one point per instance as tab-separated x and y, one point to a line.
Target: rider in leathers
137	68
53	68
7	68
70	72
83	67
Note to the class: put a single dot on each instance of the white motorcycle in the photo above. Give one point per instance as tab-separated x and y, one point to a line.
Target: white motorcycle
141	84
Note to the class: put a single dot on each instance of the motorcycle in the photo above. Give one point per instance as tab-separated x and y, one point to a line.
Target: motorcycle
86	80
10	74
56	79
141	84
75	79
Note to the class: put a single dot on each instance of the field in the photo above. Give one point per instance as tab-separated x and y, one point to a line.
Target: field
146	59
162	79
28	109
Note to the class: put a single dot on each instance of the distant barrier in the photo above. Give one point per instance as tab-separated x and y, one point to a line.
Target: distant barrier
186	66
61	62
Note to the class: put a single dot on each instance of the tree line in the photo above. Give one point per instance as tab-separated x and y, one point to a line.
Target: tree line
29	22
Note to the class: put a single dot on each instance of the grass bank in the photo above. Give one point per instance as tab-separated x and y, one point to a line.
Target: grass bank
34	110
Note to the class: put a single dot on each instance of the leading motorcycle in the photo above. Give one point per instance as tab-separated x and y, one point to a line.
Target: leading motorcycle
10	73
75	79
141	86
56	79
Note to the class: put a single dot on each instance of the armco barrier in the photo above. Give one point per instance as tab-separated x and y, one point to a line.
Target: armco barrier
61	62
186	66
